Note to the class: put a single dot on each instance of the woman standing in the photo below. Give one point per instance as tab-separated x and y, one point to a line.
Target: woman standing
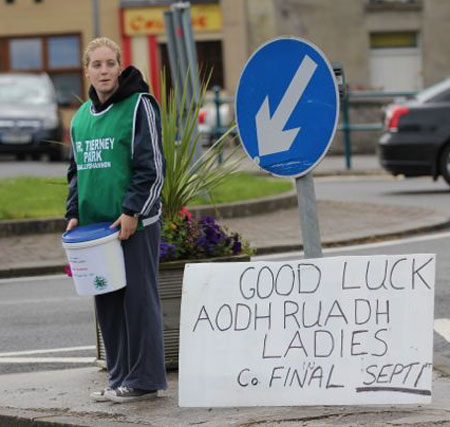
116	174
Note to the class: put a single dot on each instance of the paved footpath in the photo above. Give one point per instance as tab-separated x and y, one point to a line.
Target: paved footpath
44	399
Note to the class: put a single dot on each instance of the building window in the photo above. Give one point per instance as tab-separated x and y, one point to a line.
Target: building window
25	54
395	39
63	52
395	61
58	56
380	5
393	1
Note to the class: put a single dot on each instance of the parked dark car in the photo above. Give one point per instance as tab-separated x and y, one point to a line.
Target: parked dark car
416	141
29	117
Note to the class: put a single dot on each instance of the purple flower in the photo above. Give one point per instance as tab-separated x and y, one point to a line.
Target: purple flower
207	220
192	239
166	251
215	238
202	241
237	247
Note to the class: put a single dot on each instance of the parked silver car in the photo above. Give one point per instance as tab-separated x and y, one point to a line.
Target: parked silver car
29	117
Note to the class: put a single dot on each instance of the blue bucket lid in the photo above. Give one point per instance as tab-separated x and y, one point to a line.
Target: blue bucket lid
85	233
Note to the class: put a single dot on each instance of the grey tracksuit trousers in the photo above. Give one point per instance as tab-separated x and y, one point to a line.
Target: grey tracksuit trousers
130	318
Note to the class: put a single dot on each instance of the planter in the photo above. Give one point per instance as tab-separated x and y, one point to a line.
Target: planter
170	289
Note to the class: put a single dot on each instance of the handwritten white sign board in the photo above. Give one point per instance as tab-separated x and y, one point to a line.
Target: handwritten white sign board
329	331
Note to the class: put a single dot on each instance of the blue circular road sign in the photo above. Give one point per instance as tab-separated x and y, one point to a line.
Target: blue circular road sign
287	105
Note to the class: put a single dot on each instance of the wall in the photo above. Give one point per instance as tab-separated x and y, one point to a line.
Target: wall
235	43
436	46
338	31
261	21
109	19
51	16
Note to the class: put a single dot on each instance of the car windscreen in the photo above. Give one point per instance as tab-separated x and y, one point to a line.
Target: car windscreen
24	91
434	91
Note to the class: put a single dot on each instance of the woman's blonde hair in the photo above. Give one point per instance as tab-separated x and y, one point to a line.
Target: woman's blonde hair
102	42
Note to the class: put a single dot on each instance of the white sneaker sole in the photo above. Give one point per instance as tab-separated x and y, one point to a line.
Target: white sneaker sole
112	397
97	397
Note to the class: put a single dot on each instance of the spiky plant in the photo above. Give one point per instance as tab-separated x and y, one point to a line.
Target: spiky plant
187	178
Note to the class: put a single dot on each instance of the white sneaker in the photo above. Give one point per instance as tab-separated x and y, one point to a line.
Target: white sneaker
125	394
100	395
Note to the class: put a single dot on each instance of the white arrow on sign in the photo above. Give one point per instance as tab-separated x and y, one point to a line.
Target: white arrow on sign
271	136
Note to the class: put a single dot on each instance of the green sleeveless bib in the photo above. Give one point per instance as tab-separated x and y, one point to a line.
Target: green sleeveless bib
102	144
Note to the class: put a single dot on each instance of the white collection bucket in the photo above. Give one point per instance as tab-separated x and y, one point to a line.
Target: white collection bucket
96	259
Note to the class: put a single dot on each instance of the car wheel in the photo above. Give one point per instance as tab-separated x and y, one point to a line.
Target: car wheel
21	157
35	157
445	163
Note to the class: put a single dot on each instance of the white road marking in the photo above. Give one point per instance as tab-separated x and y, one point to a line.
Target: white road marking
376	176
11	357
406	240
48	350
34	278
40	300
442	327
28	360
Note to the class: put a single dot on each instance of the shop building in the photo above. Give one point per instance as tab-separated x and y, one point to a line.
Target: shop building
383	44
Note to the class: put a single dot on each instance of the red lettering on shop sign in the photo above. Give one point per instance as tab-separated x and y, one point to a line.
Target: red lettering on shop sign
154	24
200	21
139	23
136	23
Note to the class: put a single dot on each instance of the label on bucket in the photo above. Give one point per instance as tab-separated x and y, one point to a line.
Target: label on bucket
97	269
82	272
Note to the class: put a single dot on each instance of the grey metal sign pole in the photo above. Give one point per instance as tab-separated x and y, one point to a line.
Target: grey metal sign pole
181	47
183	13
96	18
175	72
183	59
309	220
191	51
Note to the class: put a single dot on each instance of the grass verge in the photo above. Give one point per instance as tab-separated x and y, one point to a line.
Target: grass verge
32	197
35	197
245	186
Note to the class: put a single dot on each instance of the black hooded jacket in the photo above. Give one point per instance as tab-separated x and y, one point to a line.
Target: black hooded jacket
142	197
